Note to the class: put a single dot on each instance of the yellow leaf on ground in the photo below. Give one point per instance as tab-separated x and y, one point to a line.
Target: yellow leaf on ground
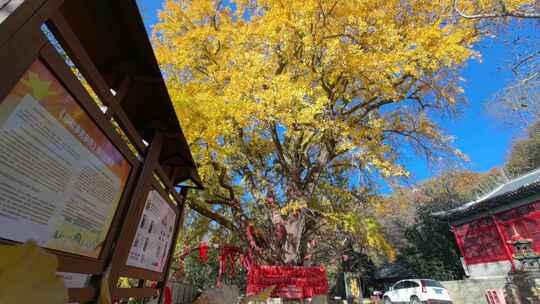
261	297
105	293
28	275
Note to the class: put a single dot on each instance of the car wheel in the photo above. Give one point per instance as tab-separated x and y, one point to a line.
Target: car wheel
387	300
415	300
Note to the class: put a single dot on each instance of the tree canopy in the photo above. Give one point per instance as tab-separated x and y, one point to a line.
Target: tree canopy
525	153
294	108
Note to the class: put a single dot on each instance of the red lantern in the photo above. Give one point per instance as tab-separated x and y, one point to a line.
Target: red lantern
203	252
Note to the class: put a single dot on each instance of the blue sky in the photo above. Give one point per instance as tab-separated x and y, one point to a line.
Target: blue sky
478	134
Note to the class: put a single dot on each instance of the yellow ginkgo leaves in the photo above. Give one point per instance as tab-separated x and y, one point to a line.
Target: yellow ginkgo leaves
28	275
284	97
259	298
310	67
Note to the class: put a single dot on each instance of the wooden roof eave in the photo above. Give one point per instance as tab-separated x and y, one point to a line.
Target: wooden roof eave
114	36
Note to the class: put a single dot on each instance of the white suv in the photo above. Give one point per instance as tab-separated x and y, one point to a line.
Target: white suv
417	292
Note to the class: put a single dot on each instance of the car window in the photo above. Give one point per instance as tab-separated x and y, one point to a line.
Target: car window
410	284
431	283
399	285
413	284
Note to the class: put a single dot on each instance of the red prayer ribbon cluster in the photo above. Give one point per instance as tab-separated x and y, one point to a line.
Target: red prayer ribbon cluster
292	282
230	253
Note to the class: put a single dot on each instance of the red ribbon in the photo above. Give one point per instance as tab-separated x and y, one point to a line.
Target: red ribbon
229	253
167	295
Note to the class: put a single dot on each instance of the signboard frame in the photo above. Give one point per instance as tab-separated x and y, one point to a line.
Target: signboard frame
146	183
20	34
133	271
38	48
49	58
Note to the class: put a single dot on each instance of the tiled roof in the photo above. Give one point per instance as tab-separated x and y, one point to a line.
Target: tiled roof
518	188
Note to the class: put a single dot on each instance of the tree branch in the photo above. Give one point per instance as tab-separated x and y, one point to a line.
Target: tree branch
503	13
279	148
221	179
214	216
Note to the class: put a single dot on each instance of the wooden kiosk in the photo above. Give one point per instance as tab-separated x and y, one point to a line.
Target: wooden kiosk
93	162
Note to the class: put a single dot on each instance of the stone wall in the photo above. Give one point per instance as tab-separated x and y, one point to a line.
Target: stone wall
524	287
487	270
472	291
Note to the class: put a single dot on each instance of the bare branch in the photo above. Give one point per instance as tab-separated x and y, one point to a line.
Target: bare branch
525	60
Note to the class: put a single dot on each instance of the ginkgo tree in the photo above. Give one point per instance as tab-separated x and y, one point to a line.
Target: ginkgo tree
294	108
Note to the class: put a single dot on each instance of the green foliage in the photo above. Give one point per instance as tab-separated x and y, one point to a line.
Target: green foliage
431	250
204	275
195	272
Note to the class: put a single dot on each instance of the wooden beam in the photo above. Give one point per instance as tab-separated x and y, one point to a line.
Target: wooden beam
81	294
130	225
123	89
123	293
85	64
12	21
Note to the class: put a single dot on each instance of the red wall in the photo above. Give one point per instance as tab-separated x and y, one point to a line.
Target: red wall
484	240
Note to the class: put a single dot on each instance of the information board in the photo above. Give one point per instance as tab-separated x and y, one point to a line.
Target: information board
61	178
154	234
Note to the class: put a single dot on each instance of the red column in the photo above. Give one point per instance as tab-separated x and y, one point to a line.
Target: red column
459	243
505	246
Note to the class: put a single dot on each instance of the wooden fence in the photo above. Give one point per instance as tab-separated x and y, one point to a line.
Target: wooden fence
183	293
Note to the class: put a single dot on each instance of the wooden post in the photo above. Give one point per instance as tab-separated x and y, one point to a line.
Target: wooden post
129	227
179	224
506	249
458	241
